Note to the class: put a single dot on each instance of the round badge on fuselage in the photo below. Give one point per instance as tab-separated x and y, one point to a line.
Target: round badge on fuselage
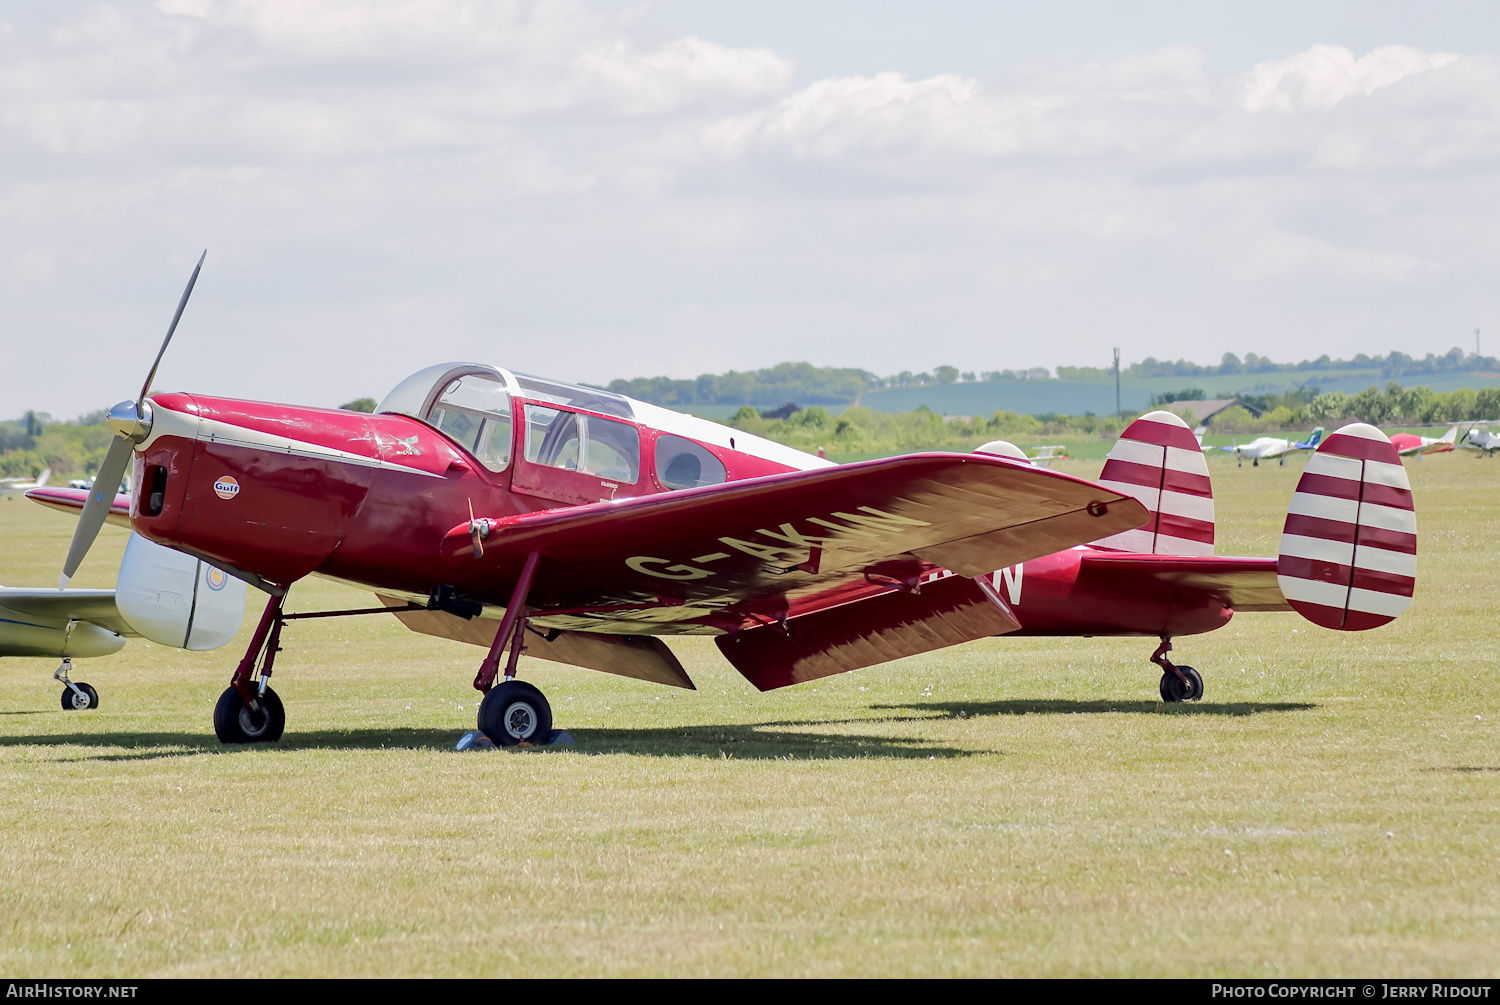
226	487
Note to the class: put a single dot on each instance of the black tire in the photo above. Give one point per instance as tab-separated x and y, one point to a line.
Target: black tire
74	702
234	723
1173	690
515	712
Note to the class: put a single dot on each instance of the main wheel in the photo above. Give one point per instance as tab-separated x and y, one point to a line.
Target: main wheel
72	701
1173	689
515	712
234	723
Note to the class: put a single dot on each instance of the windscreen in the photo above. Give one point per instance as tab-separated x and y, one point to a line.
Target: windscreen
475	411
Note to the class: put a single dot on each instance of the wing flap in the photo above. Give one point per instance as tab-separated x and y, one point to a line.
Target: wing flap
946	612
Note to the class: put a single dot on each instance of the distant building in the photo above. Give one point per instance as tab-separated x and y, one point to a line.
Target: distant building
1205	411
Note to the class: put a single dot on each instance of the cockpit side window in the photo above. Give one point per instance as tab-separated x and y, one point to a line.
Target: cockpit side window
562	439
553	437
683	464
613	450
474	410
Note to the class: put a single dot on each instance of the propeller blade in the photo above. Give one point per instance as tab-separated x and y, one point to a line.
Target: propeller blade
171	330
106	484
474	532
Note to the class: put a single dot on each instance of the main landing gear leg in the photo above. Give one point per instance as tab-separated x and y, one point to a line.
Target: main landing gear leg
76	696
1178	683
249	711
514	713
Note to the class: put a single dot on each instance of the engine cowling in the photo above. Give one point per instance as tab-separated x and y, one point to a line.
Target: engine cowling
177	600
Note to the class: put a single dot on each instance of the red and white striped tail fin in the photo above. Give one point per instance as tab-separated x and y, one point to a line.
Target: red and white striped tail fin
1349	549
1158	461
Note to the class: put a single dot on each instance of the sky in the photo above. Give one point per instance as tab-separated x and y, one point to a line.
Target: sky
600	190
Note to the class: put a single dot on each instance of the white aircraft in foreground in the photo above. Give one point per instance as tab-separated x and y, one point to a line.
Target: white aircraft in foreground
161	594
1267	447
22	484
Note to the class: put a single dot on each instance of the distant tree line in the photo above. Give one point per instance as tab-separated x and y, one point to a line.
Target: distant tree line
815	385
36	441
1393	364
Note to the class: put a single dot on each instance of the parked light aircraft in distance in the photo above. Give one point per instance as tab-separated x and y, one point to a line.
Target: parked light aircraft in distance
1410	444
1483	440
159	593
1267	447
22	484
518	513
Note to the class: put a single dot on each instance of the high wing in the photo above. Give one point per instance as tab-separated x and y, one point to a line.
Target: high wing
96	606
1244	584
727	557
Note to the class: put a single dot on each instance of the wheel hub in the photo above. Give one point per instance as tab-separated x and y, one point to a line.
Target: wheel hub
520	720
252	722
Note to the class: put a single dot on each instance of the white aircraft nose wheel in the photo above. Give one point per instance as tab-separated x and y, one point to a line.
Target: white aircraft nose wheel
234	723
72	701
1173	689
515	713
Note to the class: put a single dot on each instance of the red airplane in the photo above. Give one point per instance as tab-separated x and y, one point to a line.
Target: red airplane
1410	444
519	514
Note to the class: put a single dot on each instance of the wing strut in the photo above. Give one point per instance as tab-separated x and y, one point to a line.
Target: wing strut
511	629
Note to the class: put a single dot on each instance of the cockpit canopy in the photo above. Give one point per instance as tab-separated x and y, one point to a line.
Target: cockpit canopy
471	403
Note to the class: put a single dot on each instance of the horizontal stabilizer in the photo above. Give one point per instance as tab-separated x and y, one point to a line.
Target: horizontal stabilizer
1242	584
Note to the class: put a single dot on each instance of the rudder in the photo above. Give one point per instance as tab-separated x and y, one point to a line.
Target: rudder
1348	556
1158	461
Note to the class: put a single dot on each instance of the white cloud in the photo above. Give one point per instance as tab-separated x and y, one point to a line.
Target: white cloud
1324	75
566	190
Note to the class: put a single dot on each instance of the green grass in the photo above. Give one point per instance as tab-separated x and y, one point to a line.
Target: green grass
1010	807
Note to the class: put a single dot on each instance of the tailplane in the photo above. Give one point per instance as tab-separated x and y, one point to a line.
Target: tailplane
1158	461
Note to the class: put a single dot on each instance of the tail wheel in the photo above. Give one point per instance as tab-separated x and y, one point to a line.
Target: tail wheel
72	701
1173	688
516	713
234	723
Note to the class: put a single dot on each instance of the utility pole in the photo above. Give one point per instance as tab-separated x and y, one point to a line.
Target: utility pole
1476	341
1118	410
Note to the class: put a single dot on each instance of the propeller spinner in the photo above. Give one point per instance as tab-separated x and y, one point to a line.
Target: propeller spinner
131	423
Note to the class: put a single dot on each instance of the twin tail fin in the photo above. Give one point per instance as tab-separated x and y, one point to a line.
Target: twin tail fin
1158	461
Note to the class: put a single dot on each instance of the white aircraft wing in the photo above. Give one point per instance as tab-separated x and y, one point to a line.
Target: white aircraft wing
96	606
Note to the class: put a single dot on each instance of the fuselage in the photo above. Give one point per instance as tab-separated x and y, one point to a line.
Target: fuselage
276	492
1265	446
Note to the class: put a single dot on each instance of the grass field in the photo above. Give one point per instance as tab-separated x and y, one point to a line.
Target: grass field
1010	807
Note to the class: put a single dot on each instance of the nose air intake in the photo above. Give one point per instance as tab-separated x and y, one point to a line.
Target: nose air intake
1348	556
1158	461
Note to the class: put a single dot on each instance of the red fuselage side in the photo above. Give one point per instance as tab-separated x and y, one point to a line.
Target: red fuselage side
285	491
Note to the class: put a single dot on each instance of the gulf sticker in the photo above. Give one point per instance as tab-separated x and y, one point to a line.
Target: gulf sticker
216	578
226	487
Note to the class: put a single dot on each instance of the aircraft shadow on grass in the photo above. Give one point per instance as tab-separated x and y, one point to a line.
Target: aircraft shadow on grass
739	742
777	740
972	709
